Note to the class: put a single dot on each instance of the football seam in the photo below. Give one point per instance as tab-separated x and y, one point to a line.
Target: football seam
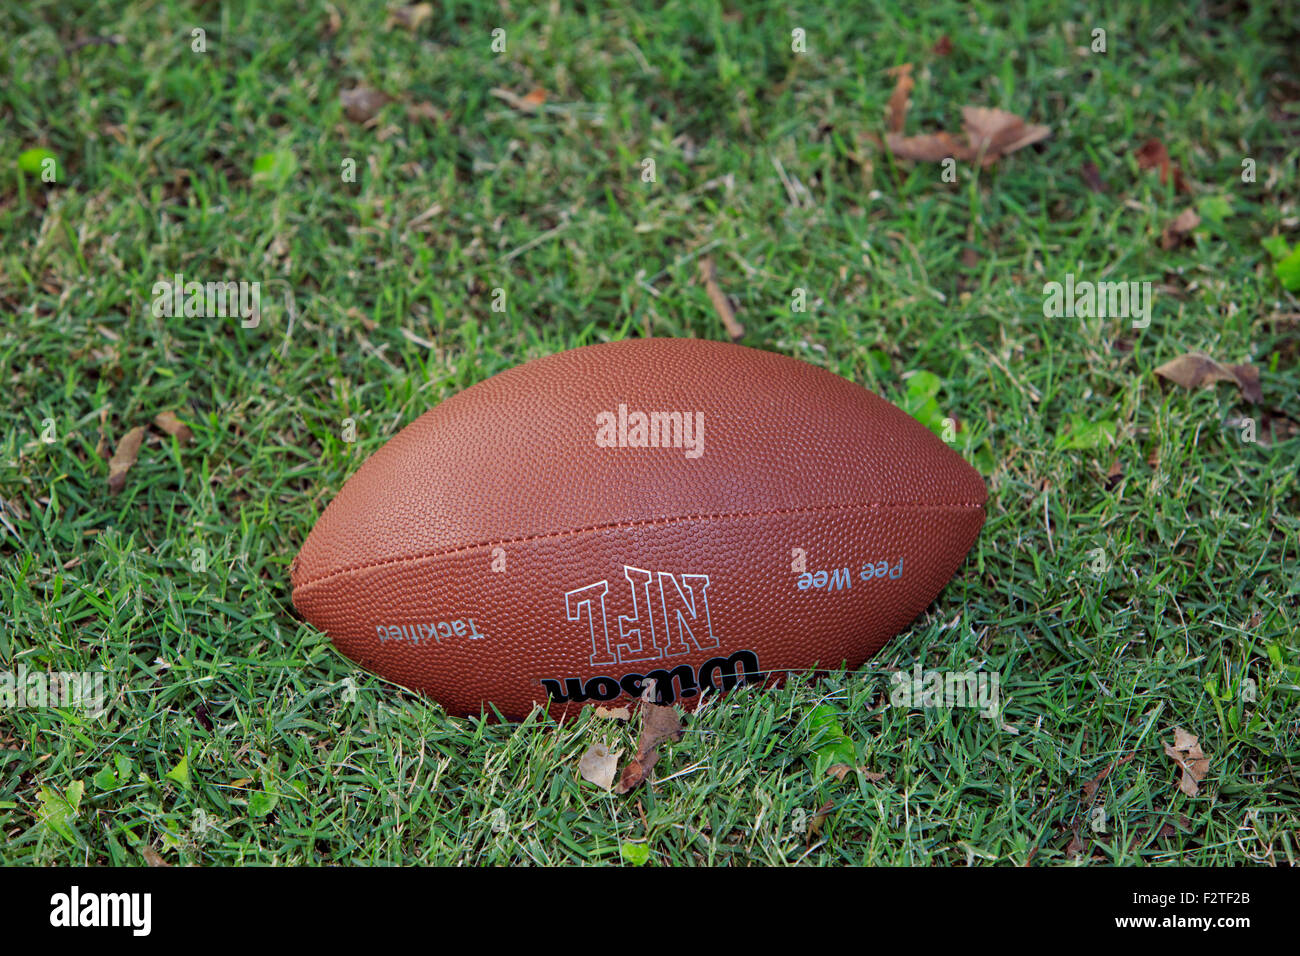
523	539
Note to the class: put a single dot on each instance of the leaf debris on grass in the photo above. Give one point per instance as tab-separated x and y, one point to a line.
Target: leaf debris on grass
1091	176
1153	155
659	723
1195	370
172	425
990	134
599	765
899	100
531	102
124	457
721	304
409	17
1187	754
1178	231
362	104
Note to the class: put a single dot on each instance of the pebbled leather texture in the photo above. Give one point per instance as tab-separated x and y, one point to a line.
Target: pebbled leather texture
494	553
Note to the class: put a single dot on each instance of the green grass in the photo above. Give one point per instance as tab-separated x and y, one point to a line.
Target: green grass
291	755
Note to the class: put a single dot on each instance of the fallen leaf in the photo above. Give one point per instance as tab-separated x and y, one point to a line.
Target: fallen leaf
871	776
1153	155
409	17
943	47
598	765
526	104
614	713
1113	475
995	133
1195	370
361	104
927	148
989	135
333	22
659	723
1186	752
123	458
899	100
839	771
815	825
1176	233
153	857
1076	846
1090	788
1092	177
424	111
721	305
636	771
168	422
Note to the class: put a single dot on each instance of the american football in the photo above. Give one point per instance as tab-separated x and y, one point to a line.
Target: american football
690	511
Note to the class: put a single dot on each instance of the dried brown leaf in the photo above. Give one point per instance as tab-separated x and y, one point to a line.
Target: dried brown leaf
1176	233
361	104
153	858
409	17
1153	155
424	111
721	305
128	449
525	104
1092	177
819	818
661	723
172	425
927	148
994	133
900	99
635	773
1076	846
1113	475
333	21
1195	370
1186	752
614	713
1090	788
598	765
943	47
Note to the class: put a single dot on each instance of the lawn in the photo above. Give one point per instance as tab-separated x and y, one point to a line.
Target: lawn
425	202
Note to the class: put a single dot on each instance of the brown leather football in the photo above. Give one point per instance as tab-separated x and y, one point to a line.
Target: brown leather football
691	511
